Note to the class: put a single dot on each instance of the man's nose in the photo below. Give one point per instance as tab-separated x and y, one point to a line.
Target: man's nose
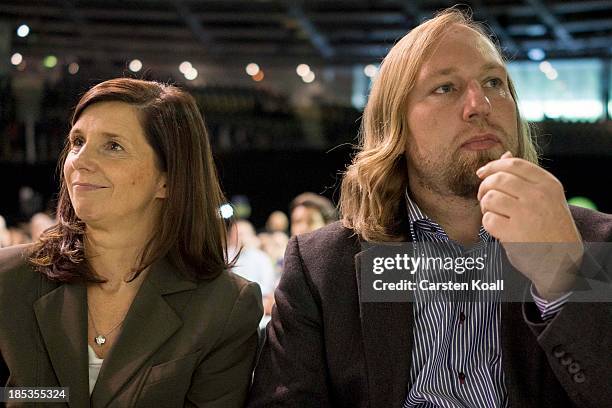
476	104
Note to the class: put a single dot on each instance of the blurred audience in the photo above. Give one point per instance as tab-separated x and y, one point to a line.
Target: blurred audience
274	244
5	238
310	211
39	223
277	222
252	263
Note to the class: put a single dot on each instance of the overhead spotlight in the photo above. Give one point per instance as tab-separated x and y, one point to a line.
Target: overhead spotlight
23	30
191	74
135	65
259	76
545	66
50	61
226	211
16	58
73	68
302	70
252	69
185	66
309	77
370	70
536	54
552	74
535	30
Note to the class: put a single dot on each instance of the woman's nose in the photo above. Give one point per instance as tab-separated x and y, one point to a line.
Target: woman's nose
84	158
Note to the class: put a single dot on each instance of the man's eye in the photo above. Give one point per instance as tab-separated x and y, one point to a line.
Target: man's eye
446	88
494	83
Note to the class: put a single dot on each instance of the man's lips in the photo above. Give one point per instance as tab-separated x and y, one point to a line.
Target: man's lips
481	142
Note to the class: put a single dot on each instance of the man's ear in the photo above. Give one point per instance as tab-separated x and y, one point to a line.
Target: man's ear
162	190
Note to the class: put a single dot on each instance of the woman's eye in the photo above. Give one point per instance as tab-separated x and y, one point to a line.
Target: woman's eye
446	88
76	142
115	146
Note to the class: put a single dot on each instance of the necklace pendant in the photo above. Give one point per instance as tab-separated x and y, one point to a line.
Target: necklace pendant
100	340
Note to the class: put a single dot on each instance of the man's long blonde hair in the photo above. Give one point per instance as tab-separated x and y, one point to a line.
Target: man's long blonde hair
373	186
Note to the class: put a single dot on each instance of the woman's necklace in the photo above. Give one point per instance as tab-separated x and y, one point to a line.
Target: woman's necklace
100	338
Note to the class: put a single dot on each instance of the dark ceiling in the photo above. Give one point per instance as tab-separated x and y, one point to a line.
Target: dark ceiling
325	31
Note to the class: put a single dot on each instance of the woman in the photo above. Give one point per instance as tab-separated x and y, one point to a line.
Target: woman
127	300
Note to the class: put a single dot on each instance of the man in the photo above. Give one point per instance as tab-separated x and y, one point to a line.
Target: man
309	212
444	158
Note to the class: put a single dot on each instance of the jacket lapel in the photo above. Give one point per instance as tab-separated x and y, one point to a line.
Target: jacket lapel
387	338
62	318
148	324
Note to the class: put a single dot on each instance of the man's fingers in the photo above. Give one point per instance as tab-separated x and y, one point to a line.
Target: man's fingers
519	167
499	203
502	181
496	224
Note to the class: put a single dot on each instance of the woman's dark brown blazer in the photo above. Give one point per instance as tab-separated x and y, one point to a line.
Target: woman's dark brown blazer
183	343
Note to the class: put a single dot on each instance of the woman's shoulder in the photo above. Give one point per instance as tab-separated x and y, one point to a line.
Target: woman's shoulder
14	262
17	277
231	286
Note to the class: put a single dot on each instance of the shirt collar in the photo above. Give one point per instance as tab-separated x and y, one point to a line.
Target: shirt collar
419	220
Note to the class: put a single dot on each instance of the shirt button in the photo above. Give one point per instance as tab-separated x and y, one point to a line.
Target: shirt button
567	360
558	352
579	378
461	317
461	378
573	368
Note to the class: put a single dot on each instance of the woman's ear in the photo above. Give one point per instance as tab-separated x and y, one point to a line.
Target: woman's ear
162	190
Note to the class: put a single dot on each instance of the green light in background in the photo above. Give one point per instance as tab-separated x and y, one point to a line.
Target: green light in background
50	61
582	202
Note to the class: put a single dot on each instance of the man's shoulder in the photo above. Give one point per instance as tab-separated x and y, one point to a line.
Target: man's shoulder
334	236
330	246
594	226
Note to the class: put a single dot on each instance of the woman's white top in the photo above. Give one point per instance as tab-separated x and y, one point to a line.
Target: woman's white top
94	367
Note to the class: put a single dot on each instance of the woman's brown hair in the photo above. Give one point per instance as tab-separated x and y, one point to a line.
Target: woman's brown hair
190	231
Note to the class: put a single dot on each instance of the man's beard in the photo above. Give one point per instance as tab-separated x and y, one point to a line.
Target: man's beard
458	175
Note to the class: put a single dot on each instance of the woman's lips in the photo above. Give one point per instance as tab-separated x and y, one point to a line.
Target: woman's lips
87	187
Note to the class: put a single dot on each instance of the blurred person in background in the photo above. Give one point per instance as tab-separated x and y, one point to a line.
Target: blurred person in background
310	211
39	223
18	235
274	241
274	245
277	222
5	237
128	299
252	263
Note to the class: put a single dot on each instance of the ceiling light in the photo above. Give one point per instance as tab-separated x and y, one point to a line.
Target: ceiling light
302	70
135	65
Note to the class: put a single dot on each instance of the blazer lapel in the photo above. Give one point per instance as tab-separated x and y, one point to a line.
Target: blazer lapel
62	318
148	324
387	338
